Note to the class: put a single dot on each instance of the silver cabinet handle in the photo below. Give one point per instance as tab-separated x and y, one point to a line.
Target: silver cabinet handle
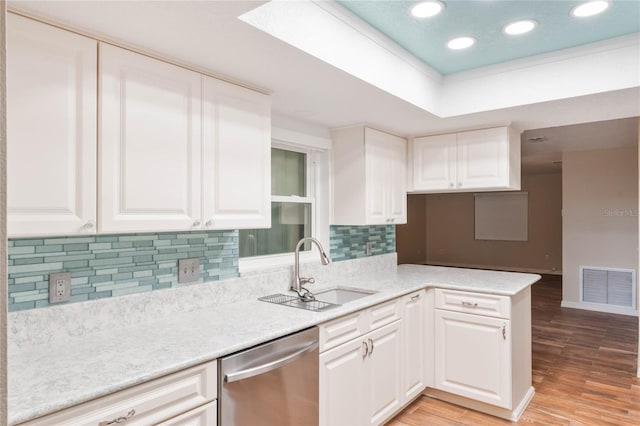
89	225
469	304
459	184
269	366
208	223
196	223
371	350
450	184
415	297
366	349
117	420
504	332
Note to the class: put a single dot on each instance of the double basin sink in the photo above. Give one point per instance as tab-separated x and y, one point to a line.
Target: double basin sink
325	299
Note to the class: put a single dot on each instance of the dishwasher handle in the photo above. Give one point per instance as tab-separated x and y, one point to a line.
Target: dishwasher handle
270	366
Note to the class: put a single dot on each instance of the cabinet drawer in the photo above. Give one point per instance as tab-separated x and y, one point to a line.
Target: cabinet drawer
207	415
341	330
344	329
153	402
384	314
490	305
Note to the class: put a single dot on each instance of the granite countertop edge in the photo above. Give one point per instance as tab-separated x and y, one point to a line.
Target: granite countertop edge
86	369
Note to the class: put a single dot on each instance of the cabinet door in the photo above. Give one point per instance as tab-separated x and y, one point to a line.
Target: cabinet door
342	384
386	178
434	162
377	167
397	180
384	370
51	131
237	156
206	415
473	357
414	357
483	158
150	144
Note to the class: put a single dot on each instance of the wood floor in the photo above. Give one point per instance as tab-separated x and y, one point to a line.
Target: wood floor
584	370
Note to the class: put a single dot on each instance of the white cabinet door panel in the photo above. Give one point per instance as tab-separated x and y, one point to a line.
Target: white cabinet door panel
51	132
434	162
342	374
413	365
397	192
377	175
385	372
473	357
483	158
150	143
237	156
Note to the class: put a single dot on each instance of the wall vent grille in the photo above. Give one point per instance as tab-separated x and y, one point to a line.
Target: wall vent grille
608	286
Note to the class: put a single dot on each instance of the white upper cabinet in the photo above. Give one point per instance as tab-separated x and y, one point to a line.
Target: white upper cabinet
369	177
51	139
476	160
237	156
150	144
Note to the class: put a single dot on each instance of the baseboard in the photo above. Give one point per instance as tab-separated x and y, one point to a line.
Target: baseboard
512	415
619	310
497	268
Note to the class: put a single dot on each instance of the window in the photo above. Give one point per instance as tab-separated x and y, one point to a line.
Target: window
292	207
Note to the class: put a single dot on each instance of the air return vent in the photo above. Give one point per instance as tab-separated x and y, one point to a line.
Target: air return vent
606	286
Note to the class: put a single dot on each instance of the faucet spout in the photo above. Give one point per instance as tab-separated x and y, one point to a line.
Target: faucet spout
298	282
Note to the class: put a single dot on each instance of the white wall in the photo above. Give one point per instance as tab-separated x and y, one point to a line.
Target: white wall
3	221
600	208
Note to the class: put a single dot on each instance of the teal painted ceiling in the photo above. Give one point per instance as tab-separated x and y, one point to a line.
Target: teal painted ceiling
484	19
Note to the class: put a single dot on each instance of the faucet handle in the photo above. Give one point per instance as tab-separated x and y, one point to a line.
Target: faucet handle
304	281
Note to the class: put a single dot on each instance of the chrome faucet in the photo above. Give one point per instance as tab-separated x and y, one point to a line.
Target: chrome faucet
299	282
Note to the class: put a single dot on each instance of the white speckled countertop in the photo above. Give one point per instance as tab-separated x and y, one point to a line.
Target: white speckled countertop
52	375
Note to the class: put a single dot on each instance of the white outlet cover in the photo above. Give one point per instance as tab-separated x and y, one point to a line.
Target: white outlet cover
189	270
59	287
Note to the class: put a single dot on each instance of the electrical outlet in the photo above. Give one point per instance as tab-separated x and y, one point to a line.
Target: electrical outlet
369	250
59	287
188	270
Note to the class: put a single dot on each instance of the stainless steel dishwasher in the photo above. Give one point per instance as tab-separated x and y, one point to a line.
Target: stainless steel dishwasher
274	384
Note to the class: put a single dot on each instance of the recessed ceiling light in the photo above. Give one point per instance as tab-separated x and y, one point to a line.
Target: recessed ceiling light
590	8
520	27
461	42
427	9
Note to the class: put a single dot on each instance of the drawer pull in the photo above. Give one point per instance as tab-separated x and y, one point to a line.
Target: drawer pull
469	304
504	332
416	297
371	350
365	352
118	420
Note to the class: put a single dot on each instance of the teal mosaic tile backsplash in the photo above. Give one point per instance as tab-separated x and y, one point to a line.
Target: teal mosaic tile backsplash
350	242
114	265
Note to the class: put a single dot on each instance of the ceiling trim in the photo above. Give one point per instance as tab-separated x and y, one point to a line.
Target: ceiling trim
357	23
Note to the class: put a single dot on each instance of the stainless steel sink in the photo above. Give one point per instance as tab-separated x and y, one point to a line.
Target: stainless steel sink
325	299
342	295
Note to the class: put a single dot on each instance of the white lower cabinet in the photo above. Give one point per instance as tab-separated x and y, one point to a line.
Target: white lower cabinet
483	351
183	398
414	346
361	379
473	357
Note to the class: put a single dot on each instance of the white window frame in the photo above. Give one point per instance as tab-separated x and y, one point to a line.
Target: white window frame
317	187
